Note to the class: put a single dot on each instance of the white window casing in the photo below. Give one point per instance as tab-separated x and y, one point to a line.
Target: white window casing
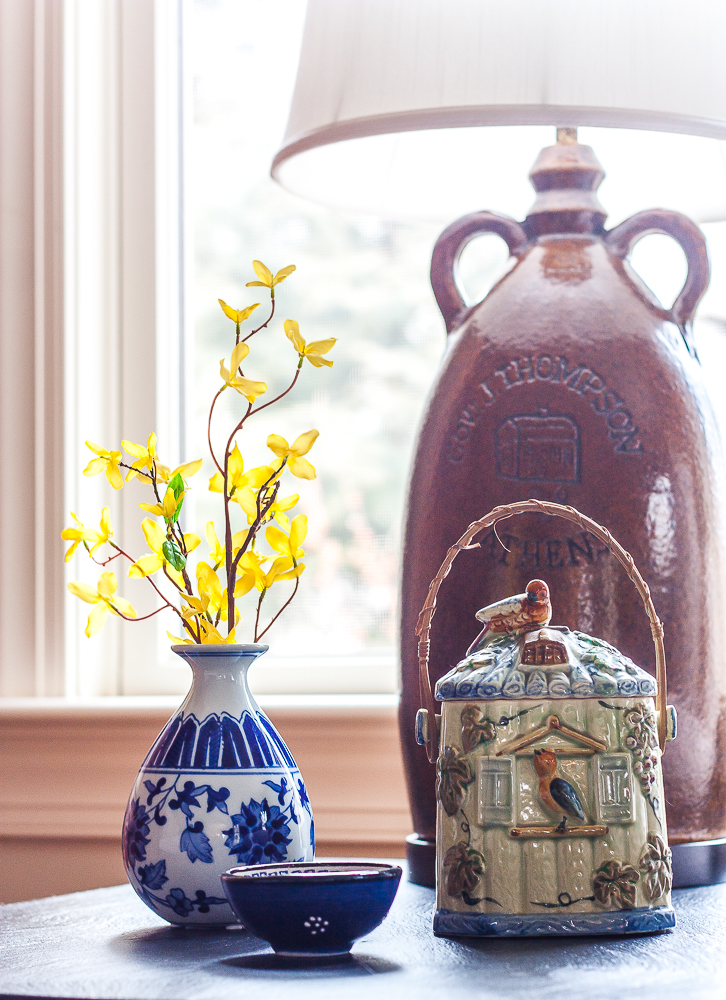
123	280
31	349
90	314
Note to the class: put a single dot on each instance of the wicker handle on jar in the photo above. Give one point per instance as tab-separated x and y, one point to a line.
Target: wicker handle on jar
423	627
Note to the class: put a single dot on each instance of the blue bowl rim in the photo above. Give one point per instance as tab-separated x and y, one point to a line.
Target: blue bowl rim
330	872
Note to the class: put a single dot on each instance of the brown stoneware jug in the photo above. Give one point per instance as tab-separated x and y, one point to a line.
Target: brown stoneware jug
570	382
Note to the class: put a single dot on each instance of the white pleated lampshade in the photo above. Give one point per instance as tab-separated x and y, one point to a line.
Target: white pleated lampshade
432	108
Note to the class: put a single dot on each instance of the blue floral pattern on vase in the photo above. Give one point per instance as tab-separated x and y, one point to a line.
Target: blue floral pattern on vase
260	833
214	792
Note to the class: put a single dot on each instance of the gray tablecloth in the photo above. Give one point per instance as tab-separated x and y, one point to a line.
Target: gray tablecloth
107	944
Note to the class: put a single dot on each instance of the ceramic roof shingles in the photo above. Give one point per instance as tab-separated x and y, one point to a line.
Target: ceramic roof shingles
595	670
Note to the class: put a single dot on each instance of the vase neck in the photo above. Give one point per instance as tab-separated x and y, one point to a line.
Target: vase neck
219	678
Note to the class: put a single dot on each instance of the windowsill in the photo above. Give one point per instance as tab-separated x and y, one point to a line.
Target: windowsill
145	705
59	751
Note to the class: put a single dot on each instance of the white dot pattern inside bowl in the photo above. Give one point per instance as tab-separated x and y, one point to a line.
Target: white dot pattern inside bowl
316	925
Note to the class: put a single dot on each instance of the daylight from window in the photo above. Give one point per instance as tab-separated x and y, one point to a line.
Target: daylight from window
359	279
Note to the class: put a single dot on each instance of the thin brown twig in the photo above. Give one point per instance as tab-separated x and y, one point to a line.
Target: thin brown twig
228	543
257	615
177	535
273	620
142	618
167	603
209	429
120	552
259	520
102	562
267	321
494	527
234	433
289	389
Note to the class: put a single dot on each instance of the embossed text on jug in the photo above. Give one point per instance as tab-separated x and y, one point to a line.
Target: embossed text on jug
556	371
539	448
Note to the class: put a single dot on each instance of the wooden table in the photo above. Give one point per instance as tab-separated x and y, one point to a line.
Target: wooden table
106	944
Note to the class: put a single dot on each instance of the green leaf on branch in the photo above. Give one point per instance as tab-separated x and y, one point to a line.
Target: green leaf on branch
178	487
173	554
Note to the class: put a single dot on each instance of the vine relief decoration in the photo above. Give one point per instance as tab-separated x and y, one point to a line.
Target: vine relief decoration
453	778
475	730
656	862
642	741
564	899
465	865
614	884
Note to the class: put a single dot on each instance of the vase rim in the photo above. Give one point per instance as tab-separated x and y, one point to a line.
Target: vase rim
219	649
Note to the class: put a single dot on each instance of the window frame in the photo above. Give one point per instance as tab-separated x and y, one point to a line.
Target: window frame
92	260
107	285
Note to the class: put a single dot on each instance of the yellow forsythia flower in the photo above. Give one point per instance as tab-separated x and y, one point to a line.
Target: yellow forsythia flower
281	569
237	315
209	635
298	465
103	601
217	553
247	387
265	275
145	457
186	471
168	506
278	508
311	351
210	589
249	573
155	538
107	461
289	545
237	478
80	533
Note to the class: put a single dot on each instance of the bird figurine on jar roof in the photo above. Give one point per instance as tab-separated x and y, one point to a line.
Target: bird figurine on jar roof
514	614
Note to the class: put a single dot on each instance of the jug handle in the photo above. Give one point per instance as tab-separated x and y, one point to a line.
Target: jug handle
449	247
689	237
423	626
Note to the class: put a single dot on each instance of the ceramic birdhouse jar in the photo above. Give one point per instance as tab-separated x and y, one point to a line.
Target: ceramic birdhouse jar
551	812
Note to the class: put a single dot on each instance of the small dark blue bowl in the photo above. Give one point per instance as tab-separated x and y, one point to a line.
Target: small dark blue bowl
311	908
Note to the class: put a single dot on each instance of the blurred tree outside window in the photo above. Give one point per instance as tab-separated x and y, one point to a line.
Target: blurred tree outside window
360	279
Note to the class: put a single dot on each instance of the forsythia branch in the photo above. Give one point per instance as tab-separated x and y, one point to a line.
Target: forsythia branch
254	493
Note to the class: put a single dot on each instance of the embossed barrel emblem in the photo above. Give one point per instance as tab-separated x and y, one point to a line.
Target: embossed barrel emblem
541	447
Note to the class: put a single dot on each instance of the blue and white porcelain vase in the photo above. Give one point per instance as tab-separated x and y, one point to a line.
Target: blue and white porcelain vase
218	788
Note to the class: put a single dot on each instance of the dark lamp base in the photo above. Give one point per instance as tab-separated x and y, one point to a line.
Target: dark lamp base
702	862
421	859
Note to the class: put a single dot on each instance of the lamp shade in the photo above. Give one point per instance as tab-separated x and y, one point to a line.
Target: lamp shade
379	79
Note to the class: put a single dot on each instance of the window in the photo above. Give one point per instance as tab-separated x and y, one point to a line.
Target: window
495	791
614	788
360	279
